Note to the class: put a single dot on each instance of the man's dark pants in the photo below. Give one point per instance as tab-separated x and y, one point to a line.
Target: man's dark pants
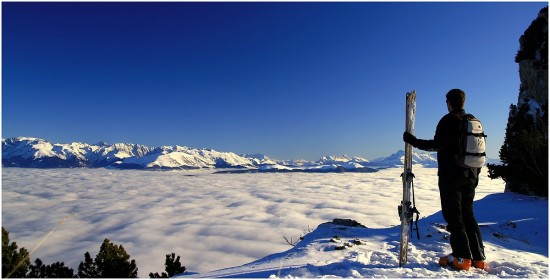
457	196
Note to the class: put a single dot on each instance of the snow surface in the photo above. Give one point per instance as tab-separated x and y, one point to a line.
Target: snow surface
535	110
233	225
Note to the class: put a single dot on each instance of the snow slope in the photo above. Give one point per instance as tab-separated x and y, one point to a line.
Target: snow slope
516	245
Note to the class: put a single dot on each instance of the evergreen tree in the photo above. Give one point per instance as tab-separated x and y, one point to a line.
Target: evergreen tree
524	153
172	266
112	261
88	268
55	270
15	263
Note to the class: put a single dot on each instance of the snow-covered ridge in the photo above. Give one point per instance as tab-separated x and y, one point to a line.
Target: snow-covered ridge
35	152
397	158
40	153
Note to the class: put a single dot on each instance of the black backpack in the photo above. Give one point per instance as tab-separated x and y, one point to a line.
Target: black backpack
471	143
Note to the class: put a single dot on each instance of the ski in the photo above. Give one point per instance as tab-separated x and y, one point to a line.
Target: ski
406	209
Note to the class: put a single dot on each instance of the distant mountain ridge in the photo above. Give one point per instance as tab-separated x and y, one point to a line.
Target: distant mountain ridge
397	158
40	153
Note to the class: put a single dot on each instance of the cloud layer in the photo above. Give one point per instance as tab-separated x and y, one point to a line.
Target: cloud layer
212	221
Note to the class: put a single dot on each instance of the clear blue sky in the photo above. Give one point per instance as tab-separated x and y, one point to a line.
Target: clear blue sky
290	80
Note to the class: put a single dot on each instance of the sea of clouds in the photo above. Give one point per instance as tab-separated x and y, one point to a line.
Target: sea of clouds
212	221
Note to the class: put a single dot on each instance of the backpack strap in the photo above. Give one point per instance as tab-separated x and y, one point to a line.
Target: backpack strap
460	114
463	115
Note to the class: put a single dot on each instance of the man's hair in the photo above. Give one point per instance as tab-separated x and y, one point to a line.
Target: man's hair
456	98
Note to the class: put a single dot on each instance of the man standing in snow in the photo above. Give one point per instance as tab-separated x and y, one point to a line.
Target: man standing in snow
456	187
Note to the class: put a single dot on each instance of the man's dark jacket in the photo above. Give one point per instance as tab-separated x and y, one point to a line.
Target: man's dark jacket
446	143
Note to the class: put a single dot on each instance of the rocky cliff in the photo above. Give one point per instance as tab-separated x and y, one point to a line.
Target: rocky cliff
532	58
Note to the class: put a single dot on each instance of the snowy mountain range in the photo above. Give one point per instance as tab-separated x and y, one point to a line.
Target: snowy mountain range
35	152
40	153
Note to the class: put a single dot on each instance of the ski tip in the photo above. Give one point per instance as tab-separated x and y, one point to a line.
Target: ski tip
411	96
